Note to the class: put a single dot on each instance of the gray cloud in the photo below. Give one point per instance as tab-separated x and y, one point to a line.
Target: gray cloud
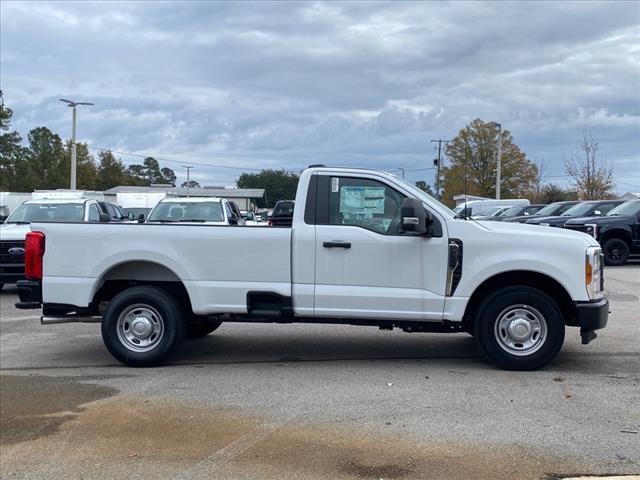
262	84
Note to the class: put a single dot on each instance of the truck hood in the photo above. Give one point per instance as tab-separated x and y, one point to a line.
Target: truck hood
538	231
606	220
14	231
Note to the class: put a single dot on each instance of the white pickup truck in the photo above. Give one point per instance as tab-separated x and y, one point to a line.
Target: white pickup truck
365	248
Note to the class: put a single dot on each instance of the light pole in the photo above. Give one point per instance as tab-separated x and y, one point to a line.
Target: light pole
402	170
73	105
188	181
498	170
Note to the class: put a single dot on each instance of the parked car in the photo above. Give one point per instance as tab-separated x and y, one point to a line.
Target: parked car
515	211
553	209
252	219
365	248
194	210
133	214
16	226
478	208
592	208
112	210
282	214
618	231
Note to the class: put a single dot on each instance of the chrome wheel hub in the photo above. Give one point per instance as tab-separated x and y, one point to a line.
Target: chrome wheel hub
521	330
140	327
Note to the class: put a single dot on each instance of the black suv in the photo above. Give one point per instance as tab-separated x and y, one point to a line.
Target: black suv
553	209
591	208
618	231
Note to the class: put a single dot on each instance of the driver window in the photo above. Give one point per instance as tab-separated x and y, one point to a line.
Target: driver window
365	203
94	214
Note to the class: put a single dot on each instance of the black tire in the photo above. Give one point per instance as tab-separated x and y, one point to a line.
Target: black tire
616	252
150	307
201	328
522	309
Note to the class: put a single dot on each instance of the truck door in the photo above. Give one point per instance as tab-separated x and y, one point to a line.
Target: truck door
366	267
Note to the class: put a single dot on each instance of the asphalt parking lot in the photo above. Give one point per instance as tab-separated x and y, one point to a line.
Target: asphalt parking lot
318	402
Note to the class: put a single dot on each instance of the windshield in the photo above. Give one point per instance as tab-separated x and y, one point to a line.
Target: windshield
627	208
425	197
47	212
579	209
187	212
512	211
554	209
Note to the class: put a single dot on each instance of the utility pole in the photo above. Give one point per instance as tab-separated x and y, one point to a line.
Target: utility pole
499	159
188	180
437	163
402	170
73	105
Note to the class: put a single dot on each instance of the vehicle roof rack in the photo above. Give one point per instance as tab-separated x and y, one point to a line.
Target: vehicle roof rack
317	165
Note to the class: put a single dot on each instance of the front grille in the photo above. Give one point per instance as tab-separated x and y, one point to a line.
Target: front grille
7	258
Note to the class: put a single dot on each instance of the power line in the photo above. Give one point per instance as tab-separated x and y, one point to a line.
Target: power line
183	162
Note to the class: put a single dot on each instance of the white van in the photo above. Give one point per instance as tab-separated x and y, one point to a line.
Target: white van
484	207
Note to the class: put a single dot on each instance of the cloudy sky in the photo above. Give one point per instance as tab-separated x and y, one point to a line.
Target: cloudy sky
233	86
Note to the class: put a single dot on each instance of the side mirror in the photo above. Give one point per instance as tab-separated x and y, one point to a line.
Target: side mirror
233	220
104	218
141	218
413	217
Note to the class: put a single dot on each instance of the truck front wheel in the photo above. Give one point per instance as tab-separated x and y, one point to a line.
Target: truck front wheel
616	252
142	325
519	328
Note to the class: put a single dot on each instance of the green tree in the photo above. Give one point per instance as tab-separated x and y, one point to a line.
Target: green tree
111	171
278	185
425	187
44	163
11	150
190	184
554	193
150	172
86	168
473	153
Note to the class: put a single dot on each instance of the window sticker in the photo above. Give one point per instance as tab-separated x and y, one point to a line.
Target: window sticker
361	202
335	183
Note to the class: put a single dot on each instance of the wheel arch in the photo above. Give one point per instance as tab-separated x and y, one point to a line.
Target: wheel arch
537	280
620	233
127	274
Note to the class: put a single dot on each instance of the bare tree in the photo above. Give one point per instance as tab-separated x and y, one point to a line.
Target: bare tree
593	177
539	183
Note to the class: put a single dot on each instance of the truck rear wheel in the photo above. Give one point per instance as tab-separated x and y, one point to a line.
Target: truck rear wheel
519	328
142	325
616	252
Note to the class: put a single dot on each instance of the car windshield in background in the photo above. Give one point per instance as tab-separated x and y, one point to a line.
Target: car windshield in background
47	212
553	209
283	209
187	212
511	212
135	212
579	209
627	208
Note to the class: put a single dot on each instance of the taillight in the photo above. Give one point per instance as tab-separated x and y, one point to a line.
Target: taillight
33	253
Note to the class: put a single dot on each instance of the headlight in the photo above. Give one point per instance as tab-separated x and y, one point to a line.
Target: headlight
593	272
592	229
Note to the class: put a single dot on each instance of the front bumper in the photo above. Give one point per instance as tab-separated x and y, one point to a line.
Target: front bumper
30	293
591	316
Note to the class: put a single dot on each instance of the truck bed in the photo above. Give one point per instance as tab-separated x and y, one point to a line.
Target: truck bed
218	265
